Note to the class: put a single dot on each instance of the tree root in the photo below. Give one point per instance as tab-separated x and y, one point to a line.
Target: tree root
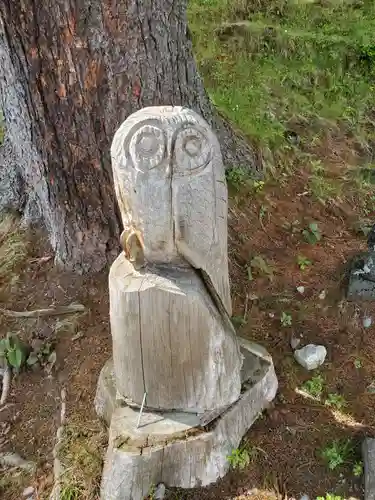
57	467
52	311
6	384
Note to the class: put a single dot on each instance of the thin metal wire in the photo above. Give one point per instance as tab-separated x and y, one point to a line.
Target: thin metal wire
141	410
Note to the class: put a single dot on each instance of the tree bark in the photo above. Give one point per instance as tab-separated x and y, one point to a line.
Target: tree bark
70	72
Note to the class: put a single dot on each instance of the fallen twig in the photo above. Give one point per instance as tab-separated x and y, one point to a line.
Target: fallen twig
52	311
41	260
246	307
57	467
6	384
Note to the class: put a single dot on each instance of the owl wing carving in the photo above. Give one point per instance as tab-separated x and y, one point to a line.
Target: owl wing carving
199	206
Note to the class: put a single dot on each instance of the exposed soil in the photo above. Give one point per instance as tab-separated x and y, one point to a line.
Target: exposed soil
286	442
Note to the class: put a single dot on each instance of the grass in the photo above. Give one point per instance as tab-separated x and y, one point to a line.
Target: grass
268	65
13	481
82	455
13	248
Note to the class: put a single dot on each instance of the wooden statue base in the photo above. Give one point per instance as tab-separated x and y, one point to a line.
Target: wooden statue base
175	448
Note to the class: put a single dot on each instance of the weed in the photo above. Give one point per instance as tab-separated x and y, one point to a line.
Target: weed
358	469
336	400
286	319
303	262
330	496
262	212
292	227
259	266
258	186
358	363
312	234
151	492
337	453
13	351
238	177
239	458
44	355
314	386
238	321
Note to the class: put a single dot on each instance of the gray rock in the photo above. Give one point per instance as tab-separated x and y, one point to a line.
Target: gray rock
305	497
368	454
9	459
311	356
367	321
362	278
295	342
27	492
160	492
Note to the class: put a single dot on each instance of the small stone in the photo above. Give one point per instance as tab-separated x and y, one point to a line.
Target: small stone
160	491
27	492
271	315
295	342
367	322
311	356
322	295
252	492
301	289
305	497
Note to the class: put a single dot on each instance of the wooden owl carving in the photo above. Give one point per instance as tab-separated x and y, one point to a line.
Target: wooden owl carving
171	189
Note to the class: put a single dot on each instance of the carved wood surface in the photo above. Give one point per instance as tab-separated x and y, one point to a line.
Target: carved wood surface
170	185
170	307
170	341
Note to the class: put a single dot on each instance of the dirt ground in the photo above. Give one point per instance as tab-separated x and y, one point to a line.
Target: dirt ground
287	441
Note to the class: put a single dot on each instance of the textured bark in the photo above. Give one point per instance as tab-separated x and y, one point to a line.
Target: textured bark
70	72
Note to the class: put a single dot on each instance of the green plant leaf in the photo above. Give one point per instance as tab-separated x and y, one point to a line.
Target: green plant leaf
249	273
15	358
3	348
32	359
52	358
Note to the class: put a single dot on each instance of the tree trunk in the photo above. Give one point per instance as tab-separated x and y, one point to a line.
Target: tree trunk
70	72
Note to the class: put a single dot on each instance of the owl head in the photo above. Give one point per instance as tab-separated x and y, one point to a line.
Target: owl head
170	185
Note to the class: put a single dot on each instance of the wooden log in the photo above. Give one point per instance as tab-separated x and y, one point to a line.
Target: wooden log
170	341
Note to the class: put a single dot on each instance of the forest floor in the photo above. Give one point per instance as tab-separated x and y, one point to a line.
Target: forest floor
297	80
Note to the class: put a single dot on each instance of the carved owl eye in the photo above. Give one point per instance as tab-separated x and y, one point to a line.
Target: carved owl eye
147	147
192	150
